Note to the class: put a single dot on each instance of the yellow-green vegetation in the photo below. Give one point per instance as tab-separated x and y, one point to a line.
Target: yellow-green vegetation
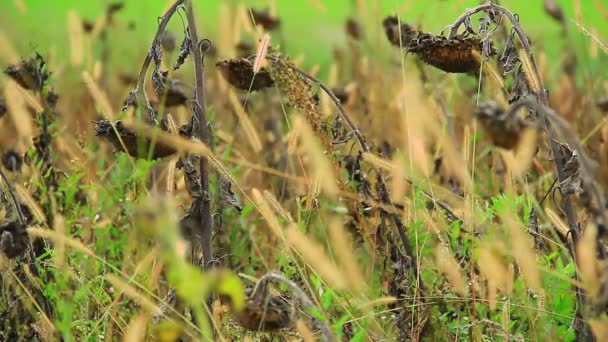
220	176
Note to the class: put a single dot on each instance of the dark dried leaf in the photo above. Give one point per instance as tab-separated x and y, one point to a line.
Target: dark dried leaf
159	80
13	239
509	58
184	50
572	182
191	178
229	196
12	160
554	10
502	129
353	29
137	146
51	98
265	19
484	24
520	88
30	74
239	73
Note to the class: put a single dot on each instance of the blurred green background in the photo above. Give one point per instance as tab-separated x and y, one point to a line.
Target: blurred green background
312	28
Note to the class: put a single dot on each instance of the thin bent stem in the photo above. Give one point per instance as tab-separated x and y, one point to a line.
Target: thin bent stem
140	88
200	114
383	193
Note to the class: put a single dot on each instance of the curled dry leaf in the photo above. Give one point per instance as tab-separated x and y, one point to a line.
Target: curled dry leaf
572	182
504	130
31	74
13	239
239	73
137	146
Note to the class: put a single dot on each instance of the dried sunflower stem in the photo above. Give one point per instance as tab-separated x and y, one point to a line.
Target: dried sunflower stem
541	96
383	193
140	88
200	115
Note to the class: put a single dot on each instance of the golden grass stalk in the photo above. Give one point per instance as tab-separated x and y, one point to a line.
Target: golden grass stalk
267	213
30	202
131	292
8	54
251	133
559	224
587	262
17	109
378	161
260	56
100	98
494	268
76	37
311	148
599	327
343	250
277	206
136	331
522	248
315	257
59	227
60	238
382	301
449	267
528	69
520	160
305	332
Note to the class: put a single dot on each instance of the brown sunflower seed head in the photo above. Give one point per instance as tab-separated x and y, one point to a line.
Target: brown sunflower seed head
168	41
553	9
265	19
13	239
394	31
602	104
504	131
239	73
456	55
2	108
137	146
270	313
12	160
353	28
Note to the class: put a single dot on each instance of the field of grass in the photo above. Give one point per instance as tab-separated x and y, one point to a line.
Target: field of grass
303	171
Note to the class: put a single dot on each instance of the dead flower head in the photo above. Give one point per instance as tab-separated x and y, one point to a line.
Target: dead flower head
503	129
239	73
138	146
